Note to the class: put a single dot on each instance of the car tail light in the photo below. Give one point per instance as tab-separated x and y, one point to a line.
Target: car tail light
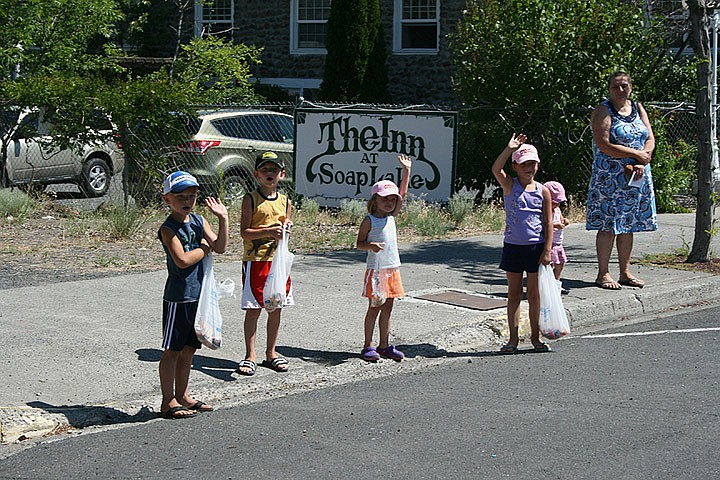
198	146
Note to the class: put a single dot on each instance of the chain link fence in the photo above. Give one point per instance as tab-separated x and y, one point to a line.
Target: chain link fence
564	141
219	147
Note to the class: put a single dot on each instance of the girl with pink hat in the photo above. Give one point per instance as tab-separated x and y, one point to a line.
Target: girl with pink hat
378	236
528	242
557	255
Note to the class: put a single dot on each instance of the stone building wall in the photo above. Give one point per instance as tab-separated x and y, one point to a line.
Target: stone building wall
266	23
413	79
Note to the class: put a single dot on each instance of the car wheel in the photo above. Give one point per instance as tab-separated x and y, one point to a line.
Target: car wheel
96	177
236	186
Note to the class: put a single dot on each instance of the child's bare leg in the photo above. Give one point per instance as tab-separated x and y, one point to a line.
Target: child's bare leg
370	318
182	376
557	270
250	331
515	291
167	370
384	323
533	298
273	330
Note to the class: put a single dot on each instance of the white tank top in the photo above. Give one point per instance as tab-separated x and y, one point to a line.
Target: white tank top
382	230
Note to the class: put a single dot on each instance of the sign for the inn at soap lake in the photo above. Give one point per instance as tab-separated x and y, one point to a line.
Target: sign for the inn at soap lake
340	154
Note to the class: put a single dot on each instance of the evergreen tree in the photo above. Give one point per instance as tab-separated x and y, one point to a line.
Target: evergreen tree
355	69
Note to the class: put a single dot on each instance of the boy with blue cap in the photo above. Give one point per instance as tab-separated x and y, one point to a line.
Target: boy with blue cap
186	238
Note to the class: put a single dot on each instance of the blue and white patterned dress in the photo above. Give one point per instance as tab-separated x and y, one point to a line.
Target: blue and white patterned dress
612	205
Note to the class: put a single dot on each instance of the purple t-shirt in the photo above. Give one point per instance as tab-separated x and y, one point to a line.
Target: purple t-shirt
523	215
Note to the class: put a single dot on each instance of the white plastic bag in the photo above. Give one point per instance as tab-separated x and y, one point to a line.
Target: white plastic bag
553	319
226	288
275	289
379	280
208	321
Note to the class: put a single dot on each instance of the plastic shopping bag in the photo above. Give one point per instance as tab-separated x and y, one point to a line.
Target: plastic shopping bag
379	280
275	289
226	288
553	319
379	294
208	321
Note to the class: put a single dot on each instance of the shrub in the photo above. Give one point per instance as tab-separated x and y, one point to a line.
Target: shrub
461	207
15	203
352	211
124	222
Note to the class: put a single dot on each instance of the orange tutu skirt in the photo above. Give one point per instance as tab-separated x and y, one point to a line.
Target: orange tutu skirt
390	279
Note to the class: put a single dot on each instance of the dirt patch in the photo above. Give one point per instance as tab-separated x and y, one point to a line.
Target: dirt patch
58	245
679	262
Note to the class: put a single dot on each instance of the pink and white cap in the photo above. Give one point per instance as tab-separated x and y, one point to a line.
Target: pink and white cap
385	188
525	153
557	191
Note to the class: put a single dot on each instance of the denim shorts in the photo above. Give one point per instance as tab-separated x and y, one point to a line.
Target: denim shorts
521	258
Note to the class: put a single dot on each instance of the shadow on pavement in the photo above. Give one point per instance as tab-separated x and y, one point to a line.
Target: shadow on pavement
215	367
321	357
82	416
428	350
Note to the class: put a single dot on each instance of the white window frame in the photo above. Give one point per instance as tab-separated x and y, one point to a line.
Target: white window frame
398	23
200	22
295	32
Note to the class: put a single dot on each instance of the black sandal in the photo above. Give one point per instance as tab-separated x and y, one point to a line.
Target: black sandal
250	365
279	364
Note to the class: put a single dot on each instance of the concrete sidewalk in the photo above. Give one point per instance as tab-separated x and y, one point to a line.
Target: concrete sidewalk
85	354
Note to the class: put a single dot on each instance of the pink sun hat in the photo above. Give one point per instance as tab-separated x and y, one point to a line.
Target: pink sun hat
385	188
525	153
557	191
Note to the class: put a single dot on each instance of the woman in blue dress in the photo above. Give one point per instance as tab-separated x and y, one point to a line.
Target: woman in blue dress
621	199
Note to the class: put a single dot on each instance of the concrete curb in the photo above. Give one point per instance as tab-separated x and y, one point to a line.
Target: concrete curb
645	301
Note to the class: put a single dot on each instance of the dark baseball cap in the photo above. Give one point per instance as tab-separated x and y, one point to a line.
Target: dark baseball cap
268	157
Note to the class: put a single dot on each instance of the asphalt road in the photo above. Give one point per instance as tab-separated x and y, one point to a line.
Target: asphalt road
640	404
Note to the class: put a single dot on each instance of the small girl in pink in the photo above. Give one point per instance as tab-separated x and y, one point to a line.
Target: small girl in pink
377	233
527	242
557	254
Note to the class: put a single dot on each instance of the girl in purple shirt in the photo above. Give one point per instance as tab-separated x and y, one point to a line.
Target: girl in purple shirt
528	235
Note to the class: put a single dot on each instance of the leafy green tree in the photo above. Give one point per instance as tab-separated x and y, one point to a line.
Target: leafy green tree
60	55
216	71
355	69
548	63
705	227
152	110
55	55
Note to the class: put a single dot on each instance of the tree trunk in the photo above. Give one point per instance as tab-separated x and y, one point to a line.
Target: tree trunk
700	40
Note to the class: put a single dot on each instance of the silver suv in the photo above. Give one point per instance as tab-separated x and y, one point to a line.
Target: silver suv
223	145
33	159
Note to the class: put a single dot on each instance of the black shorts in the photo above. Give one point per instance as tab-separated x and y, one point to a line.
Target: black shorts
521	258
179	326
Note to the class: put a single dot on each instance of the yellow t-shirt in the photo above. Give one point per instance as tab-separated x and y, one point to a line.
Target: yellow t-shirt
266	213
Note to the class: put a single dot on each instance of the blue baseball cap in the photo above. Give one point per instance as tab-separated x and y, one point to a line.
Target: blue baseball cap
176	182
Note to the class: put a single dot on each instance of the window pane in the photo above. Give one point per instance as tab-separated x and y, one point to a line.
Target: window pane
313	9
252	127
419	36
285	127
217	10
419	10
311	35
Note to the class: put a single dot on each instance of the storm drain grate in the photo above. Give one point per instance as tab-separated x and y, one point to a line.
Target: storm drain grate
466	300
